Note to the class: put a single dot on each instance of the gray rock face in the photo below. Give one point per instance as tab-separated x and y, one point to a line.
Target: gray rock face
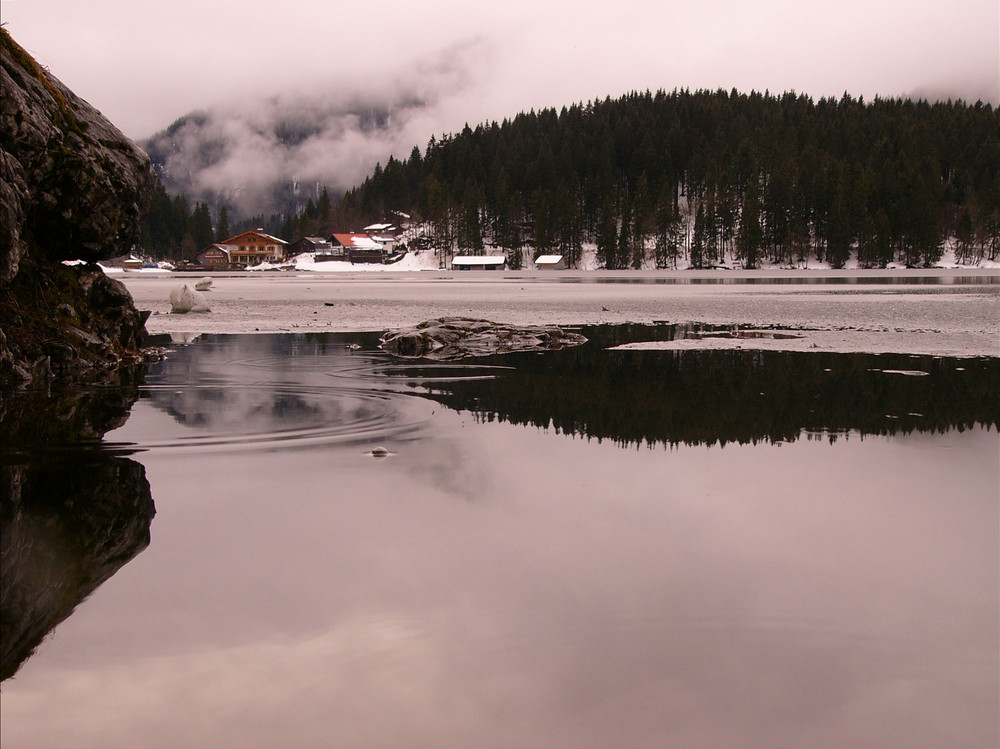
450	338
72	187
80	185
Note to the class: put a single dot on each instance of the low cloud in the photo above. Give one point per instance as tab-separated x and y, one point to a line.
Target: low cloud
265	155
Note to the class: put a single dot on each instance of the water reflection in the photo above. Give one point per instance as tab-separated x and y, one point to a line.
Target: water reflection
280	390
842	279
719	397
71	514
492	584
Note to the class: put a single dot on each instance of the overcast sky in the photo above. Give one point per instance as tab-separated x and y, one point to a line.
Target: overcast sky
145	63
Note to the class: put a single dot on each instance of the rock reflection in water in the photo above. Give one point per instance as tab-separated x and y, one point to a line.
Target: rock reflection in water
70	517
499	585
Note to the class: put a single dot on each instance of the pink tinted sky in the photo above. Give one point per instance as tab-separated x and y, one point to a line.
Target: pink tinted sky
146	63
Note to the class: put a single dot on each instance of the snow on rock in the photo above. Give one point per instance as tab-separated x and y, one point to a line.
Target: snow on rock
184	299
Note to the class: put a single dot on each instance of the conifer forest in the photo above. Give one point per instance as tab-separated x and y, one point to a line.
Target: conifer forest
708	177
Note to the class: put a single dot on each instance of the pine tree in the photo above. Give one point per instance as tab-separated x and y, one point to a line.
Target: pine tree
668	229
699	240
323	211
607	235
751	234
200	228
470	232
222	230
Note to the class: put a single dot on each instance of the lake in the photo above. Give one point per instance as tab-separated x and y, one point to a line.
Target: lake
297	539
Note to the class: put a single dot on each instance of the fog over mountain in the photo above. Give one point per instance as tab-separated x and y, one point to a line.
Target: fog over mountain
269	155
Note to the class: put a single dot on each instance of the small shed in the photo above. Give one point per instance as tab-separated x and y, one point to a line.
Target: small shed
478	262
358	248
550	262
317	245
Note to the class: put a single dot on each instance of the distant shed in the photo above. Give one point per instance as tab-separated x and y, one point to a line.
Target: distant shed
320	247
478	262
358	248
550	262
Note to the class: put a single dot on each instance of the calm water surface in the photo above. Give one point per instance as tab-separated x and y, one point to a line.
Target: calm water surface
582	548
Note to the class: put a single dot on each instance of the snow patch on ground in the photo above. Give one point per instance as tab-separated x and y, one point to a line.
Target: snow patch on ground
427	260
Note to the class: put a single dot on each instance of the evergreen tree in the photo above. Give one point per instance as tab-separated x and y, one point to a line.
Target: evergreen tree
200	228
323	210
222	231
699	240
607	235
668	230
470	232
751	234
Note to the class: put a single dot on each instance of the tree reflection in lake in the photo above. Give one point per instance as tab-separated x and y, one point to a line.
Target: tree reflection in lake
627	397
717	397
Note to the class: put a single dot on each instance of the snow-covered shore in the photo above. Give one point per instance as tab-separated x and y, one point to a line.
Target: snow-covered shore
428	261
937	312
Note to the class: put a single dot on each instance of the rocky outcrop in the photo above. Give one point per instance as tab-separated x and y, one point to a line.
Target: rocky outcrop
450	338
72	187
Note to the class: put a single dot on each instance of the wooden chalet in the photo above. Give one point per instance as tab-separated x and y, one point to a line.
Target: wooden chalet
255	247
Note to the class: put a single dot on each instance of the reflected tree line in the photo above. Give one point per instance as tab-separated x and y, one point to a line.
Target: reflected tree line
700	397
733	396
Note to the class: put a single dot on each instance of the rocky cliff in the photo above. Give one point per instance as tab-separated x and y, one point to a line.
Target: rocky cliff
72	187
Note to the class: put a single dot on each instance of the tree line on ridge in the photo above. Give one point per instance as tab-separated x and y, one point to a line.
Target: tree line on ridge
708	178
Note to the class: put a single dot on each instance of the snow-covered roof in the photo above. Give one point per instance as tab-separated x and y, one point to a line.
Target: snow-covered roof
257	232
548	259
478	260
379	227
357	241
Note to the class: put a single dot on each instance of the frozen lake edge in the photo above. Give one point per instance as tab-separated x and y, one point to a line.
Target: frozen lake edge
939	312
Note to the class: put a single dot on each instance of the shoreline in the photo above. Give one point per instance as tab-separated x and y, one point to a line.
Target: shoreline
947	312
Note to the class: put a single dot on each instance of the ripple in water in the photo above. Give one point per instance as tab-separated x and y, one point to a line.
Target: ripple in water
277	392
